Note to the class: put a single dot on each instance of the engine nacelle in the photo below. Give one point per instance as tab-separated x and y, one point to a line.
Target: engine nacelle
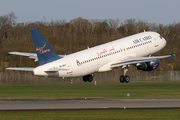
148	66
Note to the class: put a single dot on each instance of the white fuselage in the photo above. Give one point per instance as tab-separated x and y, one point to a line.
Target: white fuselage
100	58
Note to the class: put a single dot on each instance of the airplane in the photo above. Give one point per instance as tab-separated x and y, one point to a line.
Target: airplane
133	50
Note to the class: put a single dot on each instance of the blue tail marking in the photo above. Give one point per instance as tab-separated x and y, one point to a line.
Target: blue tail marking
44	51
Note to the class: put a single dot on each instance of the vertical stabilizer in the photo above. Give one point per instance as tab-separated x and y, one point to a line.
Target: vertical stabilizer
44	51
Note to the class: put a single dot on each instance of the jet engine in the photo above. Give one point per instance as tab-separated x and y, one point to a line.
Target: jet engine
148	66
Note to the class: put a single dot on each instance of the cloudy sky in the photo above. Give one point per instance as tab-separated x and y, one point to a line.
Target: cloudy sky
153	11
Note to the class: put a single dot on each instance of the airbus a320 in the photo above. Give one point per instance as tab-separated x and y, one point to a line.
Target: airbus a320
133	50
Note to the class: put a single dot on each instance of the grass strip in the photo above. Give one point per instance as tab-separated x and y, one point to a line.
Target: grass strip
93	115
137	90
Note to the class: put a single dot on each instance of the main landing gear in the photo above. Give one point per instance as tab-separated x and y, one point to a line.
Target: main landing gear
88	78
124	78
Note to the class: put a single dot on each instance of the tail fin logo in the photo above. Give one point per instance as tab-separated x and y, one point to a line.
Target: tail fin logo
42	50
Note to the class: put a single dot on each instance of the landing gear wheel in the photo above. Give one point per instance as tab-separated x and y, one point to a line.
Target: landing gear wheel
126	79
121	78
85	78
88	78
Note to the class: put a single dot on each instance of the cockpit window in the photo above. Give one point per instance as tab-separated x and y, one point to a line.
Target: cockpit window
160	36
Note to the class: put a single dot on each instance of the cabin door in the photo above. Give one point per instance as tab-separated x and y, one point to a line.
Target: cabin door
156	41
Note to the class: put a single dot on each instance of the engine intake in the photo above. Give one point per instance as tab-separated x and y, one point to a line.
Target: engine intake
142	66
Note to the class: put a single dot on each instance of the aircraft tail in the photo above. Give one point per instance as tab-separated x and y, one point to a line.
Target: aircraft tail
44	51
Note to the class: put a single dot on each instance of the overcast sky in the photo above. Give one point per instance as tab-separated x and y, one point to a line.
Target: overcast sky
153	11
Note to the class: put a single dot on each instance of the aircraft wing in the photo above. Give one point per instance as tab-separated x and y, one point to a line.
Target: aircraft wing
137	60
30	55
21	69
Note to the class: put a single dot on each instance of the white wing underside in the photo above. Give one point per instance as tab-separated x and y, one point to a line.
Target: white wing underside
30	55
137	60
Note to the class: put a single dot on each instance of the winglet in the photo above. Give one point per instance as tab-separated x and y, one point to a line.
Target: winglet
7	53
172	55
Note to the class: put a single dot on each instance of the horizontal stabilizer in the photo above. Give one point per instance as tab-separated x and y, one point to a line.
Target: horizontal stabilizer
30	55
20	69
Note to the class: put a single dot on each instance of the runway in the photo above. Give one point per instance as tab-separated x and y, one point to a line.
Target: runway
93	104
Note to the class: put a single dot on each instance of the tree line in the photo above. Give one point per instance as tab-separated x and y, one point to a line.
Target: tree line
78	34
